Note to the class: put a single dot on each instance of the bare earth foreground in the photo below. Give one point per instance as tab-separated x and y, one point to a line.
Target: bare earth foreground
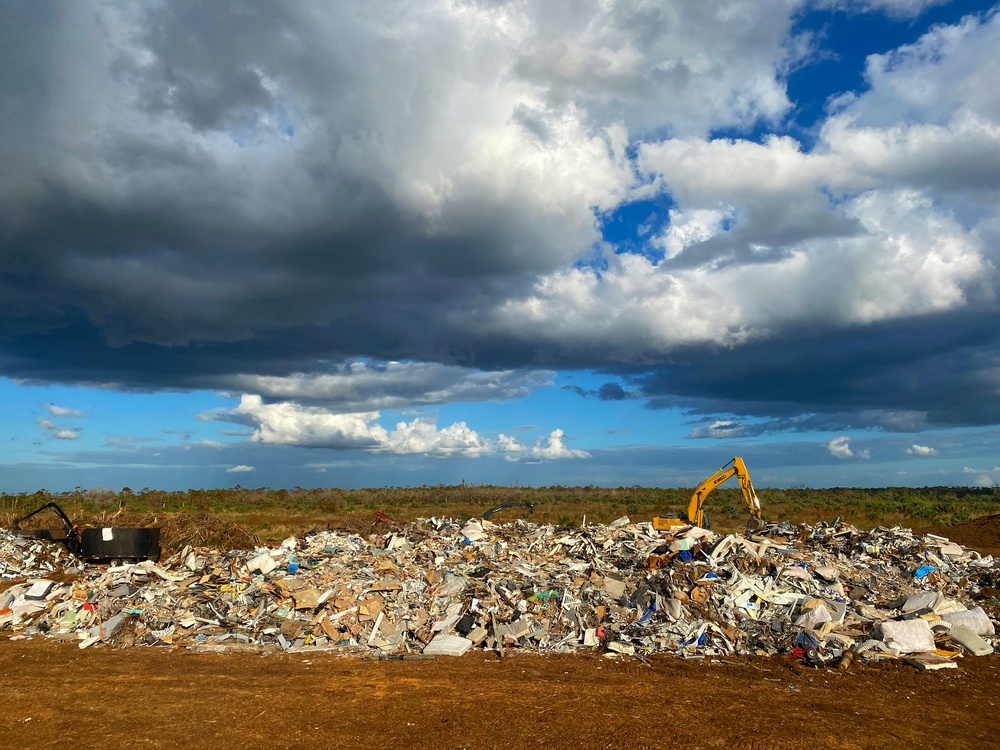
55	696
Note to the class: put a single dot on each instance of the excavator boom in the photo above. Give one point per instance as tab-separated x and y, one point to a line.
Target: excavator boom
696	511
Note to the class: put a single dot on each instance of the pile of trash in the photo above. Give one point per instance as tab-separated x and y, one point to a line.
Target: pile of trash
823	594
24	557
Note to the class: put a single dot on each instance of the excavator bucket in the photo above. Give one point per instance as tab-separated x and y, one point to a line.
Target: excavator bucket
754	523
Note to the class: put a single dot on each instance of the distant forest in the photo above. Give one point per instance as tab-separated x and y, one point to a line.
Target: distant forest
564	505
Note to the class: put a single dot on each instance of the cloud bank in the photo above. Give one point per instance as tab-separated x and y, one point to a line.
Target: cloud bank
287	423
343	209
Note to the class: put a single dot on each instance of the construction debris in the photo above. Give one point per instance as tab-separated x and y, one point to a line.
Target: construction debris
443	587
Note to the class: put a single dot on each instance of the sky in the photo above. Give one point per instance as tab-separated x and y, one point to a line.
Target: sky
576	242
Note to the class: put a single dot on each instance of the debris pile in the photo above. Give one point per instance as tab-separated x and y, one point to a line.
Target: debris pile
823	594
25	557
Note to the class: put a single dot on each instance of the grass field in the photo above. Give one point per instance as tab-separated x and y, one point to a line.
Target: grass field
212	516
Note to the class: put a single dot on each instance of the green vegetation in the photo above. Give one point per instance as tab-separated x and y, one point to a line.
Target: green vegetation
269	509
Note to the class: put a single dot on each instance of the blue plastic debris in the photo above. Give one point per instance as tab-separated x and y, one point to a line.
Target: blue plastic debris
805	640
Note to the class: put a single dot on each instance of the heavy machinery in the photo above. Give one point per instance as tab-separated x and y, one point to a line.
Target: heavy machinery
696	514
105	544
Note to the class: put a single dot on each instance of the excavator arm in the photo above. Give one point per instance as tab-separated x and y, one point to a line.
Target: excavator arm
696	507
736	467
72	539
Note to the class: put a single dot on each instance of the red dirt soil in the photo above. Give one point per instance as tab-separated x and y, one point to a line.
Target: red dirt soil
57	696
981	534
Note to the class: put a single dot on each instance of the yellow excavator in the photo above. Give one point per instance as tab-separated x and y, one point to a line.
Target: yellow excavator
696	514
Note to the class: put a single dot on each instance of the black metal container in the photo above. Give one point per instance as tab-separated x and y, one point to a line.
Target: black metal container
114	543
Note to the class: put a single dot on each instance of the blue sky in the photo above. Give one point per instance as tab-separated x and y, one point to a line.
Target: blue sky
538	242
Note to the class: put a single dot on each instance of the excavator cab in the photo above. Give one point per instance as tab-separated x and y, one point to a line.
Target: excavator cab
696	515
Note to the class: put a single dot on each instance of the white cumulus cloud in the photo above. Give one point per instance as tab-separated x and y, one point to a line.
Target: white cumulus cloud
840	447
63	411
921	450
59	433
288	423
422	436
985	477
891	215
553	448
240	469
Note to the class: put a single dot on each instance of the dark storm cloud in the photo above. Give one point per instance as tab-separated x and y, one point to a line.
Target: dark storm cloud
607	392
935	371
246	180
210	86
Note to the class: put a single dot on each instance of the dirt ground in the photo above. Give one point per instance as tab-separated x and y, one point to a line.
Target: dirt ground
57	696
981	534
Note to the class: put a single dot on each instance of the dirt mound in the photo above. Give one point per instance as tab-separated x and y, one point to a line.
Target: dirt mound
981	534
